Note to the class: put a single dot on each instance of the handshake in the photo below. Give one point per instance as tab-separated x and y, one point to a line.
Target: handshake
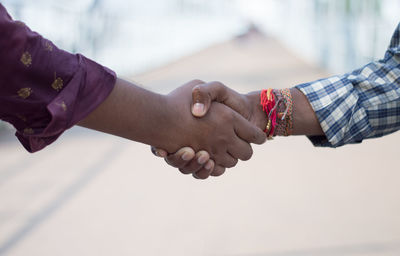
216	122
203	128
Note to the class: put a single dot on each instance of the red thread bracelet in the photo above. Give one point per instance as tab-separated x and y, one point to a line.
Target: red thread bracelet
268	104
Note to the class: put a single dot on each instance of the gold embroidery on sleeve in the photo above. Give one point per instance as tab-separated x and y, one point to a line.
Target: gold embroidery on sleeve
25	92
48	46
58	83
26	59
28	131
63	106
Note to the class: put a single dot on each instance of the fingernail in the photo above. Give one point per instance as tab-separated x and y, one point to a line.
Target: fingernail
186	156
202	159
161	153
198	108
208	165
155	151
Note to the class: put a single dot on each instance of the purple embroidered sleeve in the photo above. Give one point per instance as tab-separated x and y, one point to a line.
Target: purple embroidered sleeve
45	90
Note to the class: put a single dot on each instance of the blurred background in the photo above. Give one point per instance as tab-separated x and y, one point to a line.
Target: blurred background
95	194
133	36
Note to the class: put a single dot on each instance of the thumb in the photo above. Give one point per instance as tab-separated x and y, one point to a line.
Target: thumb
201	101
204	94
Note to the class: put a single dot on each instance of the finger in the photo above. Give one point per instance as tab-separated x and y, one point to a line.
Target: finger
201	101
159	152
202	174
206	171
210	165
248	132
218	171
197	163
227	161
204	94
182	157
240	149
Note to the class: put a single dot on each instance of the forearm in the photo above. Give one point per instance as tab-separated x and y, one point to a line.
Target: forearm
130	112
305	121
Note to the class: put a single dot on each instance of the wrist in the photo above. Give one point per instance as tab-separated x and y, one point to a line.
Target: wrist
258	116
166	132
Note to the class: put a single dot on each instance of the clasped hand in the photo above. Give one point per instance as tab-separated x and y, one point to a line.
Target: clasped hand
214	121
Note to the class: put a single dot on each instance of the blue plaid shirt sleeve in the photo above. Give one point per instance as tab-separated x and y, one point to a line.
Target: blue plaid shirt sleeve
358	105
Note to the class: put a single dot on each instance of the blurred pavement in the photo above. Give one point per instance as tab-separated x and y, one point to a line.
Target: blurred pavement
95	194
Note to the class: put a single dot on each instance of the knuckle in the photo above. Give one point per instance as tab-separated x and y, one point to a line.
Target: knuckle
220	88
218	85
197	81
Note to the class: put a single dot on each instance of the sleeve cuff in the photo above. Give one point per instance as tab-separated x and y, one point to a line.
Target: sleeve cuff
88	88
338	110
